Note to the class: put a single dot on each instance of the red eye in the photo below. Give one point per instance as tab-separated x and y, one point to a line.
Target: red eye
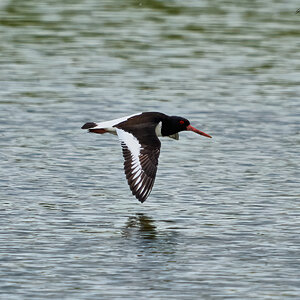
181	122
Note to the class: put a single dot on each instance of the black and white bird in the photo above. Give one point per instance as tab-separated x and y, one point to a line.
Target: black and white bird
138	135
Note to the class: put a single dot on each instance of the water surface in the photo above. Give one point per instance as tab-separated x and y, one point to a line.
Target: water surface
222	221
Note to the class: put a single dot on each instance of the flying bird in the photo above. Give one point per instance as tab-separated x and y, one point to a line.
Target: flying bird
138	135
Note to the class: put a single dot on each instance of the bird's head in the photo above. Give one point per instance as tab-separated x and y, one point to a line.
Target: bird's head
177	124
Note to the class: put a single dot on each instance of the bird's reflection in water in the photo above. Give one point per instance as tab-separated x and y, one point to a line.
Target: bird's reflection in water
140	224
147	240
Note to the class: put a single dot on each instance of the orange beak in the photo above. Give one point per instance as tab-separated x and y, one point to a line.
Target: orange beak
191	128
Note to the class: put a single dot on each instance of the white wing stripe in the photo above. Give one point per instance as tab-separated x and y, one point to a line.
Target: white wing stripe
111	123
133	146
137	174
134	165
131	142
138	180
148	192
108	125
139	184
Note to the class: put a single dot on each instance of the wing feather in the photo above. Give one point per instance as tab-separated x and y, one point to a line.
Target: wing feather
140	162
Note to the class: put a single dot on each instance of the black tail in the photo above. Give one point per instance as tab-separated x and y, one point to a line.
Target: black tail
88	125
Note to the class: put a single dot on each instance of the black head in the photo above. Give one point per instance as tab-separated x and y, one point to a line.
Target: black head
176	124
173	125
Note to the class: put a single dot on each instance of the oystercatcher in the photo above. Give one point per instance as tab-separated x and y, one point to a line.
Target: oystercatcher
138	135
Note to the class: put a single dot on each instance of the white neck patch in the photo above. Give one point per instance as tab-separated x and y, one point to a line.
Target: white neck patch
158	129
